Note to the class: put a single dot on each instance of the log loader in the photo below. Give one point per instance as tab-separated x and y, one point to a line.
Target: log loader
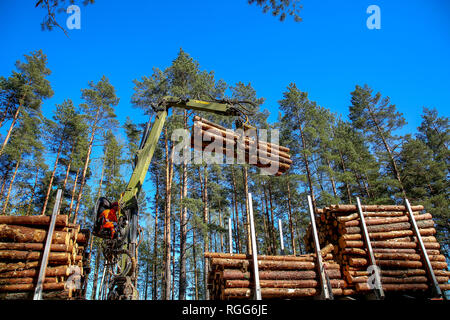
117	223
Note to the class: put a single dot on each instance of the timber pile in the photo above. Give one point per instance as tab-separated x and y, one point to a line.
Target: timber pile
281	277
259	153
395	248
22	244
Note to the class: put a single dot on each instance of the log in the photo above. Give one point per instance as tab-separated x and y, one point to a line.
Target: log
241	256
388	227
34	246
229	274
4	267
31	287
233	139
25	234
49	272
263	264
267	293
49	295
361	262
387	244
214	125
377	221
394	287
54	257
28	280
61	220
282	283
373	208
389	235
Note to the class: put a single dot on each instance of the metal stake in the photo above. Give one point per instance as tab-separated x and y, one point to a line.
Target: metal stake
229	235
254	250
327	293
378	288
280	228
38	290
436	291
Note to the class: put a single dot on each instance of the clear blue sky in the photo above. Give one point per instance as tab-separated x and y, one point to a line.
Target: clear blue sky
326	55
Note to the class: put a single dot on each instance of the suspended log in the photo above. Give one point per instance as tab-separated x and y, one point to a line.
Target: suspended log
240	256
214	125
61	220
25	234
35	246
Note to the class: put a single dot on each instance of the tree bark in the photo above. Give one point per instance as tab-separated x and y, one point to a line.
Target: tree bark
73	193
10	186
49	188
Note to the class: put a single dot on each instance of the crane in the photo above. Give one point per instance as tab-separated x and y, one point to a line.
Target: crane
120	246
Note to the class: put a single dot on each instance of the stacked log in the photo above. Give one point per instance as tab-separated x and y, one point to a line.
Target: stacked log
394	246
22	244
281	277
256	152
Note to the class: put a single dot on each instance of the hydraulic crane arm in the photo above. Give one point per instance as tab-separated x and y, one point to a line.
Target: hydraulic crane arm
150	139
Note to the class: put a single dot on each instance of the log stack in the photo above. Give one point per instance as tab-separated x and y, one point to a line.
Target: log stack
22	244
395	248
262	154
281	277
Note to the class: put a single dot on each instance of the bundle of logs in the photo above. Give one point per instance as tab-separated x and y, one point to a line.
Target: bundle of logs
395	247
22	244
208	136
281	277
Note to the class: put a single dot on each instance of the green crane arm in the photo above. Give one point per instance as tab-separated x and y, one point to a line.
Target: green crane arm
148	145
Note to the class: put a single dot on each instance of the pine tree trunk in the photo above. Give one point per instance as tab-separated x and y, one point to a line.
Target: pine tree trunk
183	228
68	169
207	236
347	187
155	244
95	281
333	183
11	127
33	193
167	226
73	192
306	162
10	186
390	153
269	222
4	179
86	165
194	255
291	226
274	240
236	218
247	217
50	184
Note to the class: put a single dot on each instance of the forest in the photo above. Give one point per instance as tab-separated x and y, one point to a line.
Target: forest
184	208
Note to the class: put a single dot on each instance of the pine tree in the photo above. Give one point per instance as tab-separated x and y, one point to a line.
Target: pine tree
99	110
379	119
24	91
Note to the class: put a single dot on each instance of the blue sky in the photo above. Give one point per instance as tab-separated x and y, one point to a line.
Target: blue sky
327	54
